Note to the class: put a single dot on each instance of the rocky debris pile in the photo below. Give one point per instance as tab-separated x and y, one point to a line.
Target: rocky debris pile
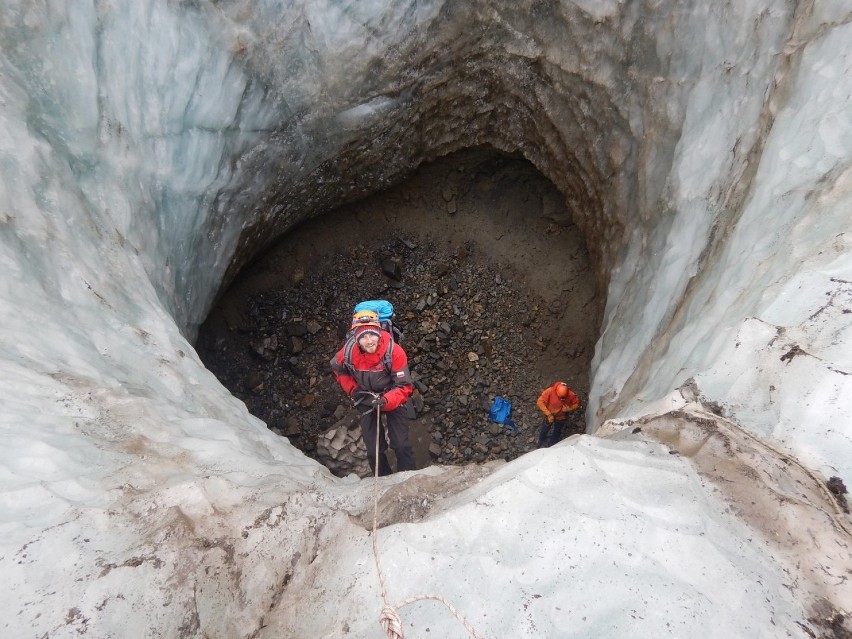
471	333
838	489
342	450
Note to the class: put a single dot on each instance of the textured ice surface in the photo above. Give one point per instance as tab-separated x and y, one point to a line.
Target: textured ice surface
147	146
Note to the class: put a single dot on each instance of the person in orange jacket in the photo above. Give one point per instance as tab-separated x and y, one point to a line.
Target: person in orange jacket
555	402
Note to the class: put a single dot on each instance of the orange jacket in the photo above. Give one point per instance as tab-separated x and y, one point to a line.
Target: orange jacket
550	404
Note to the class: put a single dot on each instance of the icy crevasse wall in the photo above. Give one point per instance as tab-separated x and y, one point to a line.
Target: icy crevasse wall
147	148
140	120
761	315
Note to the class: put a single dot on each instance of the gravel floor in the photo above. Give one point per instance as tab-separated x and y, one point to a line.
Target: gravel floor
476	324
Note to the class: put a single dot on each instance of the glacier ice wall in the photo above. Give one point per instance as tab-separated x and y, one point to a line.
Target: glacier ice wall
764	180
149	149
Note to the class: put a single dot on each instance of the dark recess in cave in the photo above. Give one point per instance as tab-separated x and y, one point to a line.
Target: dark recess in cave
495	295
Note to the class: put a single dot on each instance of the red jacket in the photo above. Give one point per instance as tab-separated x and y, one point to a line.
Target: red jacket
368	372
550	403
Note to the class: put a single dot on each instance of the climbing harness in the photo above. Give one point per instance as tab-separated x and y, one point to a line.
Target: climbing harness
363	396
388	618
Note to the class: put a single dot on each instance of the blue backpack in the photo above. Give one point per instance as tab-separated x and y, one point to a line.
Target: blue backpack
501	413
382	308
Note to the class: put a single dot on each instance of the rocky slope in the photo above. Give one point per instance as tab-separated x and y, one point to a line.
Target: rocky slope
475	326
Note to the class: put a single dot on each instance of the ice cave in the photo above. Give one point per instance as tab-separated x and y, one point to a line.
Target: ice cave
149	150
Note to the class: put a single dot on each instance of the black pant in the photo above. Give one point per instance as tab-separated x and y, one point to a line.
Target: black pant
398	434
554	437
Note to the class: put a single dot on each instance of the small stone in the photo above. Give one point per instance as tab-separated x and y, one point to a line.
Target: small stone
291	427
295	345
472	357
314	327
258	347
254	382
391	269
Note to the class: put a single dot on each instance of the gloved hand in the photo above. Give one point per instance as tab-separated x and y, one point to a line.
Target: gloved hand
361	398
378	402
550	419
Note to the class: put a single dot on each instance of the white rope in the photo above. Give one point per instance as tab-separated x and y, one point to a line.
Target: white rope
389	618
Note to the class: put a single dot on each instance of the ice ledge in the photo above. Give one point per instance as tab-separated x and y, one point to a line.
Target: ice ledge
802	523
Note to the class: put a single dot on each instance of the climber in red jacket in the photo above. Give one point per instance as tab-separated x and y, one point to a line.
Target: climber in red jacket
373	370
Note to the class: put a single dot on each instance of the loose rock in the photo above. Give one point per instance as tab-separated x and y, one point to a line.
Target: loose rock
472	331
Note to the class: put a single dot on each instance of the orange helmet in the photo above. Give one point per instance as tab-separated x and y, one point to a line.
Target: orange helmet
562	390
365	318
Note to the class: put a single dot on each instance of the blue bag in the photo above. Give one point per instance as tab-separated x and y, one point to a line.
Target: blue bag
384	310
501	413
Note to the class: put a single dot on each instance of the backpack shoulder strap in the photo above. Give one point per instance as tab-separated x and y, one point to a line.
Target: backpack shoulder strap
388	355
347	354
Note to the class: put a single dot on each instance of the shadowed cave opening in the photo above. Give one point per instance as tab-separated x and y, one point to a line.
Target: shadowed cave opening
492	287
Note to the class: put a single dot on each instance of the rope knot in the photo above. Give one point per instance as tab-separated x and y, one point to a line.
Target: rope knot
391	623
